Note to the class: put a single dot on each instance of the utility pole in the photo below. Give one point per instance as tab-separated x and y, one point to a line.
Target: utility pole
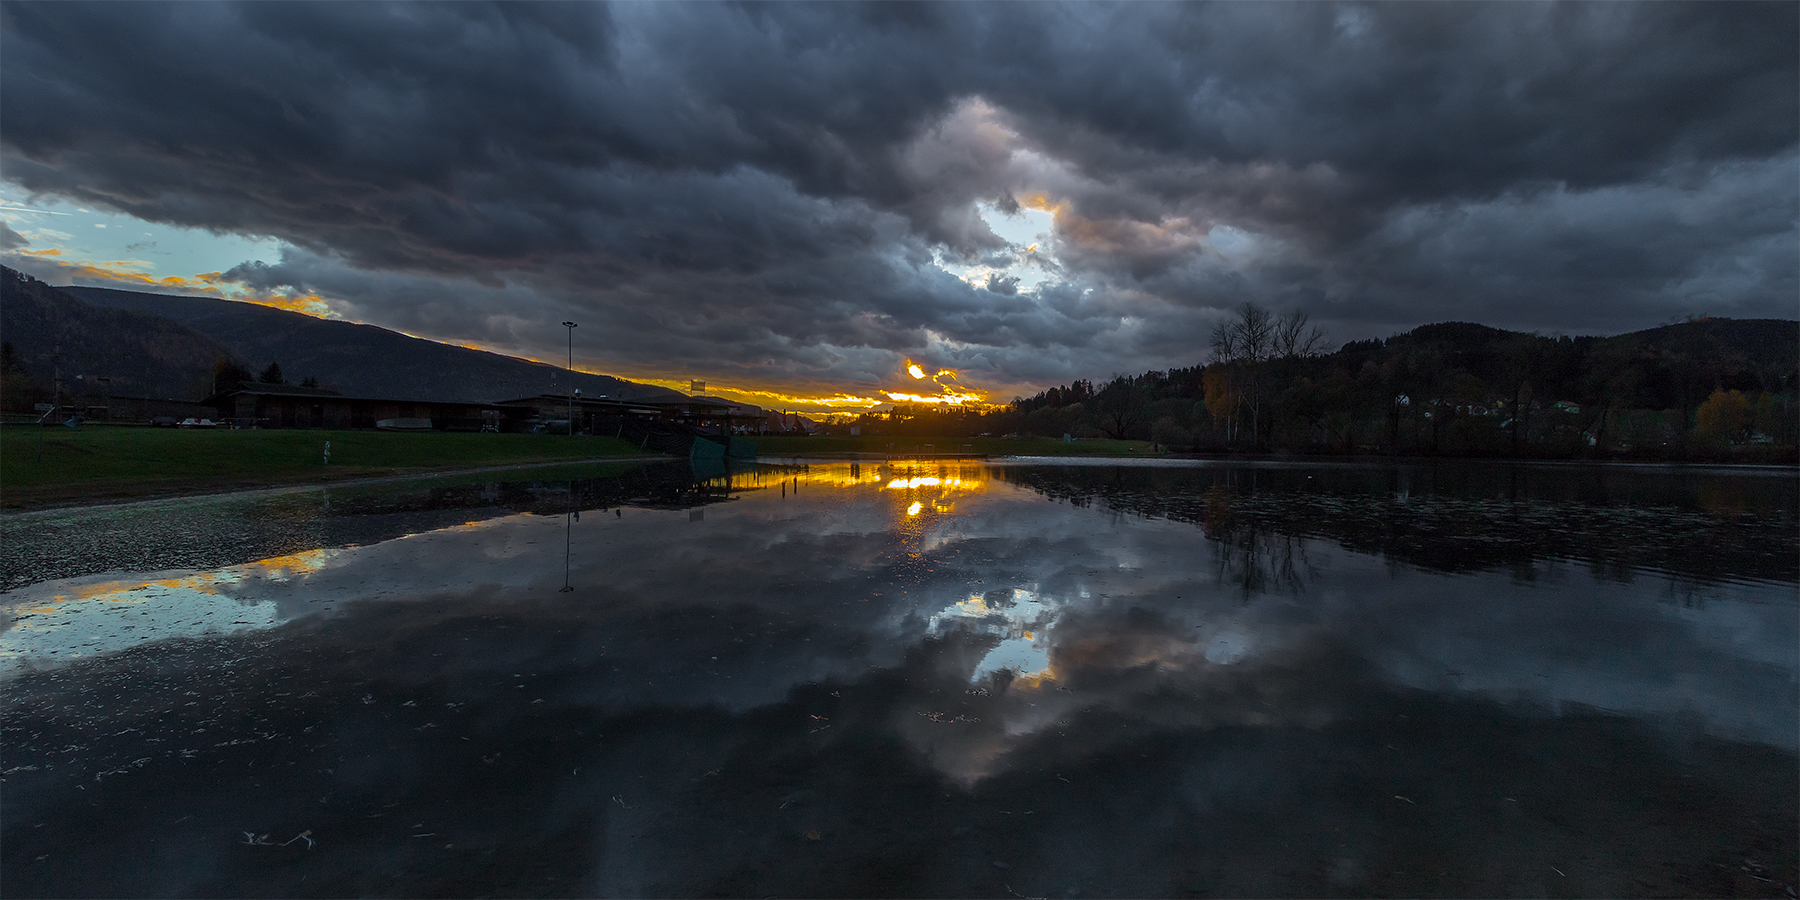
571	327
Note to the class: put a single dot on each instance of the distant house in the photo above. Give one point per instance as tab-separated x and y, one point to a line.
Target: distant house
258	405
155	410
707	414
530	413
714	412
253	404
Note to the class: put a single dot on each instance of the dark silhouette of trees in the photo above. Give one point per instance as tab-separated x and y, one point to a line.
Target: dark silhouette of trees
1255	349
1242	346
272	375
1724	417
16	392
1450	388
227	374
1120	407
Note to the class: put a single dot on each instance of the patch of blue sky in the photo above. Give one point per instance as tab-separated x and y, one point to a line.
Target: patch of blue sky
1023	228
1020	655
1234	244
118	241
1027	232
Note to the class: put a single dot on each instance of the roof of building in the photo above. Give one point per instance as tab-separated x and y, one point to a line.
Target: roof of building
564	398
748	409
258	387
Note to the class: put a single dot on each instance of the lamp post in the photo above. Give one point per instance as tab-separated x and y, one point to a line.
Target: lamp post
571	327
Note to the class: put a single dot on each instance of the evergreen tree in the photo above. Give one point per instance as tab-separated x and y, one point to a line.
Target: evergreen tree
227	375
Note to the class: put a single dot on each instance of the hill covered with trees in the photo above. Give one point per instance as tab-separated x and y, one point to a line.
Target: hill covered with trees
1709	388
51	336
364	360
167	346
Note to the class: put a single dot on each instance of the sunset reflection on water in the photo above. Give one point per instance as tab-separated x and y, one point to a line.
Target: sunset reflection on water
660	680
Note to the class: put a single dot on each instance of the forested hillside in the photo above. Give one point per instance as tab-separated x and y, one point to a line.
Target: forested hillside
364	360
1707	387
96	351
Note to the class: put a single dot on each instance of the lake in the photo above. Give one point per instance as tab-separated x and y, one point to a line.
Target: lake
1016	678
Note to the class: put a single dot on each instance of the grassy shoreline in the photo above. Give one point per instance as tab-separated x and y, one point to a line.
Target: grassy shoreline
52	466
45	467
98	463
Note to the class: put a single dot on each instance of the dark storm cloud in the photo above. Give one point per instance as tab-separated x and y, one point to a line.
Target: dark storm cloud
1407	102
773	186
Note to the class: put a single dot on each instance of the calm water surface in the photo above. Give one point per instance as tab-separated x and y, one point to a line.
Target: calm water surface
913	679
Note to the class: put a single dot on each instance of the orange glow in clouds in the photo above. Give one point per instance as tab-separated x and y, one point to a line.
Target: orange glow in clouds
128	274
949	393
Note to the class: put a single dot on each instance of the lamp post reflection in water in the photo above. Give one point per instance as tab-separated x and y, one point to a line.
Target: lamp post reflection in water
569	520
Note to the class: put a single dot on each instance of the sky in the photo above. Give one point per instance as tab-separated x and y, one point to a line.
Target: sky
799	203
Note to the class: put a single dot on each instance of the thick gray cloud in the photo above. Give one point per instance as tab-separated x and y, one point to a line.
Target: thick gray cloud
774	193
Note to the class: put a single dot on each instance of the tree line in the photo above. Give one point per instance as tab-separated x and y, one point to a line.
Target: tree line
1702	388
228	374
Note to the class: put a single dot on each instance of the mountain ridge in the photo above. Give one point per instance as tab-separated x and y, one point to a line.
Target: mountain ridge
365	360
133	353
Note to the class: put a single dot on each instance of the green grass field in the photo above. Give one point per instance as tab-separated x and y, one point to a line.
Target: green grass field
102	462
46	466
834	444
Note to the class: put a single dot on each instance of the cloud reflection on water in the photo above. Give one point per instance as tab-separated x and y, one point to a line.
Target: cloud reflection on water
1005	638
64	621
1051	592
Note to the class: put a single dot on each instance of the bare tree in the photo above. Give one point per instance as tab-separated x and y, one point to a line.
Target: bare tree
1253	338
1294	340
1243	344
1224	343
1225	355
1256	333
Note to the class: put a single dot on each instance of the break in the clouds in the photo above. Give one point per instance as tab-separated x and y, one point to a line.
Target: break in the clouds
807	196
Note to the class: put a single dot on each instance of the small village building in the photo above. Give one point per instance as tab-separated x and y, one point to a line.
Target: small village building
598	415
154	410
714	413
590	414
256	405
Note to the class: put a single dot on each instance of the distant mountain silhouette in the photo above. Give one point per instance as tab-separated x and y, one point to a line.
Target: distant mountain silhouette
1748	354
1459	335
144	355
1771	343
363	360
1461	389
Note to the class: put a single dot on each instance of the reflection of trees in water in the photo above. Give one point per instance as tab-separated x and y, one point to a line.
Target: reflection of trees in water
1251	555
1704	526
209	536
663	486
